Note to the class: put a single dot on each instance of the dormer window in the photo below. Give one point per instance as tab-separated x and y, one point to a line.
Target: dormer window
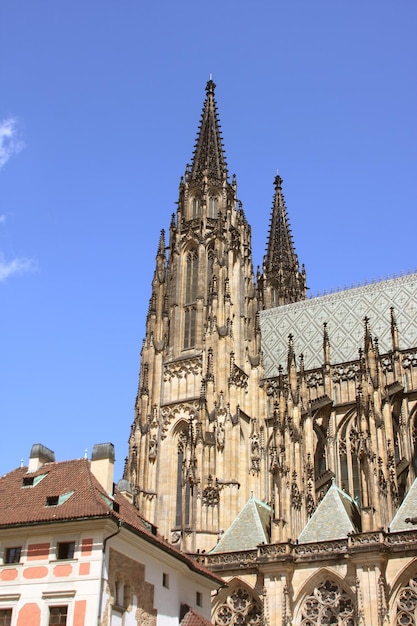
52	501
57	500
32	481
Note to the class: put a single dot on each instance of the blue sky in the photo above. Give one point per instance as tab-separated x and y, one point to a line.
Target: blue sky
99	112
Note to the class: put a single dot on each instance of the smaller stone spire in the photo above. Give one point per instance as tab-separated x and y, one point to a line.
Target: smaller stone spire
283	281
394	331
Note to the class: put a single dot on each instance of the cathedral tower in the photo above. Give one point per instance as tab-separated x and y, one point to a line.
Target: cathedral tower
195	451
289	466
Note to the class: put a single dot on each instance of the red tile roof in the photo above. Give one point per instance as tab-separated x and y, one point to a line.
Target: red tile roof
191	618
22	505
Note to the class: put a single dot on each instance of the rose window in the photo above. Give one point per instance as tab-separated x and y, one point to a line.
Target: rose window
328	604
239	609
407	605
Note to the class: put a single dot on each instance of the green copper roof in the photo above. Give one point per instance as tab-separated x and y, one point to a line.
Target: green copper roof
408	509
248	530
334	518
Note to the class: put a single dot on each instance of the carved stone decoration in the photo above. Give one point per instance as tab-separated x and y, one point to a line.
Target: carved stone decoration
153	447
183	368
410	359
239	608
383	613
220	436
328	604
286	604
255	451
296	495
407	605
211	493
274	464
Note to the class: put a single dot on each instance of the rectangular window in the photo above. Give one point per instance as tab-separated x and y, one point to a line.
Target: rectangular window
165	580
65	550
57	615
5	617
12	555
199	598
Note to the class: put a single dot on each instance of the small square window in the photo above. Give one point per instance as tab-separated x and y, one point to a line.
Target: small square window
199	598
12	555
65	550
165	580
5	617
58	615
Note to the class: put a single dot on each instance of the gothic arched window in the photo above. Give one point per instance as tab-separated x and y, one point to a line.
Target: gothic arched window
349	461
191	277
190	317
328	604
183	499
240	608
191	286
196	207
213	206
407	605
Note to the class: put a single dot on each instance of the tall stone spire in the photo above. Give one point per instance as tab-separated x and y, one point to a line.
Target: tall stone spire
200	370
208	159
282	282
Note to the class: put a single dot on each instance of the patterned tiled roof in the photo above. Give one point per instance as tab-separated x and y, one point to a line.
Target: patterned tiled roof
80	496
192	618
344	313
334	518
249	529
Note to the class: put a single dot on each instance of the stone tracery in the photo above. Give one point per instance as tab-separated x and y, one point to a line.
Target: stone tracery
240	608
328	604
407	604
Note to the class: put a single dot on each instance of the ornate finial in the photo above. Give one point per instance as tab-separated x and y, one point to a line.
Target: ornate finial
211	86
278	181
161	245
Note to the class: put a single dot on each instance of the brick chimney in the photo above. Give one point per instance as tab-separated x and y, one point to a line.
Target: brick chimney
102	465
39	455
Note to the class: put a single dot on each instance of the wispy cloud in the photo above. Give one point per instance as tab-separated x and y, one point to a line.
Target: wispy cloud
15	266
10	142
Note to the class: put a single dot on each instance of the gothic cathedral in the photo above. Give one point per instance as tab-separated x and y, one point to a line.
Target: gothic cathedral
275	435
